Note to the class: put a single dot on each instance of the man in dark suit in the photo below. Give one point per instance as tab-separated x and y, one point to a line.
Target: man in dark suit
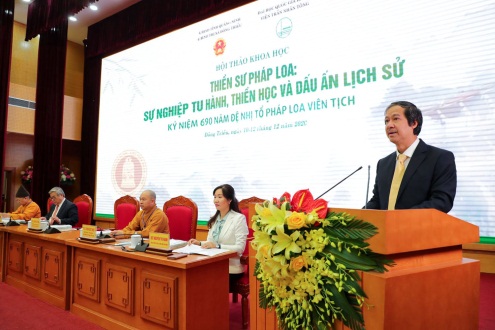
430	177
62	211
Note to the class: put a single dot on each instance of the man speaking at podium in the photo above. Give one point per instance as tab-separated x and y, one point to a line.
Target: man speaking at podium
416	175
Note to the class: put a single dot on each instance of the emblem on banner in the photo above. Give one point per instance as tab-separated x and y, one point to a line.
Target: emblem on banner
284	27
219	47
129	173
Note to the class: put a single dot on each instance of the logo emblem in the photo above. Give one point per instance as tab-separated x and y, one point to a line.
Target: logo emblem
219	47
129	173
284	27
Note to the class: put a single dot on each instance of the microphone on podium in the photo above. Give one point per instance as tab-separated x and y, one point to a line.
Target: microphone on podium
360	167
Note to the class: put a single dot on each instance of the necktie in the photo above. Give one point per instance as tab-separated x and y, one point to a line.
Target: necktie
54	212
398	174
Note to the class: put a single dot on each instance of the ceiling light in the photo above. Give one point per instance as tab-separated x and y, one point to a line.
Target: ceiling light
26	0
93	7
73	18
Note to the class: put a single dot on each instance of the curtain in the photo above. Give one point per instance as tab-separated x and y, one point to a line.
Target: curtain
49	112
46	14
6	35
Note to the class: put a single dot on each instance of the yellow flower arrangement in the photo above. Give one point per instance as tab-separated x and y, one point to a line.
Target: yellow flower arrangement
307	262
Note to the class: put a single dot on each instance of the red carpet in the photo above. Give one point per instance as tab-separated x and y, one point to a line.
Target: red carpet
235	314
39	315
19	310
487	302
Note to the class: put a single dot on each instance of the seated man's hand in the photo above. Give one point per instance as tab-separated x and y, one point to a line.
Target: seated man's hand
55	221
114	233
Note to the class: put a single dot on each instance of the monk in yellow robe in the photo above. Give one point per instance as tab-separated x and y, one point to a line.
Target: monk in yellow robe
27	207
150	219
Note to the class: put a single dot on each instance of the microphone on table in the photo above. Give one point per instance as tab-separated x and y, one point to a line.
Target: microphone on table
50	230
367	187
360	167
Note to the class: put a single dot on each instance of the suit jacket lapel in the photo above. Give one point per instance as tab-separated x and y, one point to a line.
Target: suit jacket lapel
61	208
417	158
226	225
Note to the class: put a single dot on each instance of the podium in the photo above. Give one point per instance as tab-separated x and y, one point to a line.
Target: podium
431	286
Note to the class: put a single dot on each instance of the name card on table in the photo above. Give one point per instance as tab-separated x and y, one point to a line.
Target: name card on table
159	241
35	223
89	231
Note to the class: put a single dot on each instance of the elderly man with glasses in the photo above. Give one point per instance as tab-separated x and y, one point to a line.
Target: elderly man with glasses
62	211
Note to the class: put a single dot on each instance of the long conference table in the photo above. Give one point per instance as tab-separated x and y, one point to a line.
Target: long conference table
114	288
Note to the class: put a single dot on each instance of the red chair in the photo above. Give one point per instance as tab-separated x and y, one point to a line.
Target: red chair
84	205
242	285
124	209
182	214
48	205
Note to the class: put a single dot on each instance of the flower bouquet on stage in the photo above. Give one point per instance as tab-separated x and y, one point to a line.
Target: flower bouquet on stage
67	177
27	176
308	260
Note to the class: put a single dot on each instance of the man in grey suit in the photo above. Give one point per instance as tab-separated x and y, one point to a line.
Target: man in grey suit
62	211
430	177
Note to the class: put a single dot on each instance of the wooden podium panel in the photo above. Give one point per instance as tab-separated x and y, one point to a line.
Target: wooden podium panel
38	264
414	230
443	296
86	278
32	261
14	256
431	286
53	268
148	291
118	287
159	288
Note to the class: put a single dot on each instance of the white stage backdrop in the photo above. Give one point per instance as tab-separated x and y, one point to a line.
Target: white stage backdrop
279	96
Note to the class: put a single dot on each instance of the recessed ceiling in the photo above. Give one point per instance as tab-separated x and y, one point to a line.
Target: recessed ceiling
78	31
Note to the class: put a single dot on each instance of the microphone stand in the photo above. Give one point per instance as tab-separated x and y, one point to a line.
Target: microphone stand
367	188
51	230
360	167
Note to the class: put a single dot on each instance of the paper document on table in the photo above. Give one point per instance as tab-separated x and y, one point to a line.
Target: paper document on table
62	227
196	249
177	243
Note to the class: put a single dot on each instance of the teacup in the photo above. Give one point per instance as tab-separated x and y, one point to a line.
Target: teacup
135	240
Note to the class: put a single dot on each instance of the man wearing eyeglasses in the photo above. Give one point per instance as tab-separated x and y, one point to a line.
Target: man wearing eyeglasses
62	211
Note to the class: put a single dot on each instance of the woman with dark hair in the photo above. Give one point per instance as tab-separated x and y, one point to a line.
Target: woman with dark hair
227	228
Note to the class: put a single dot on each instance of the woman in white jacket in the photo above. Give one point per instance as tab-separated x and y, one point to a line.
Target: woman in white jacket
227	229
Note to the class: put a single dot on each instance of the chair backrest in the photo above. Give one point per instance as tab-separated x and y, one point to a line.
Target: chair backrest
84	205
182	214
48	205
244	208
124	209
